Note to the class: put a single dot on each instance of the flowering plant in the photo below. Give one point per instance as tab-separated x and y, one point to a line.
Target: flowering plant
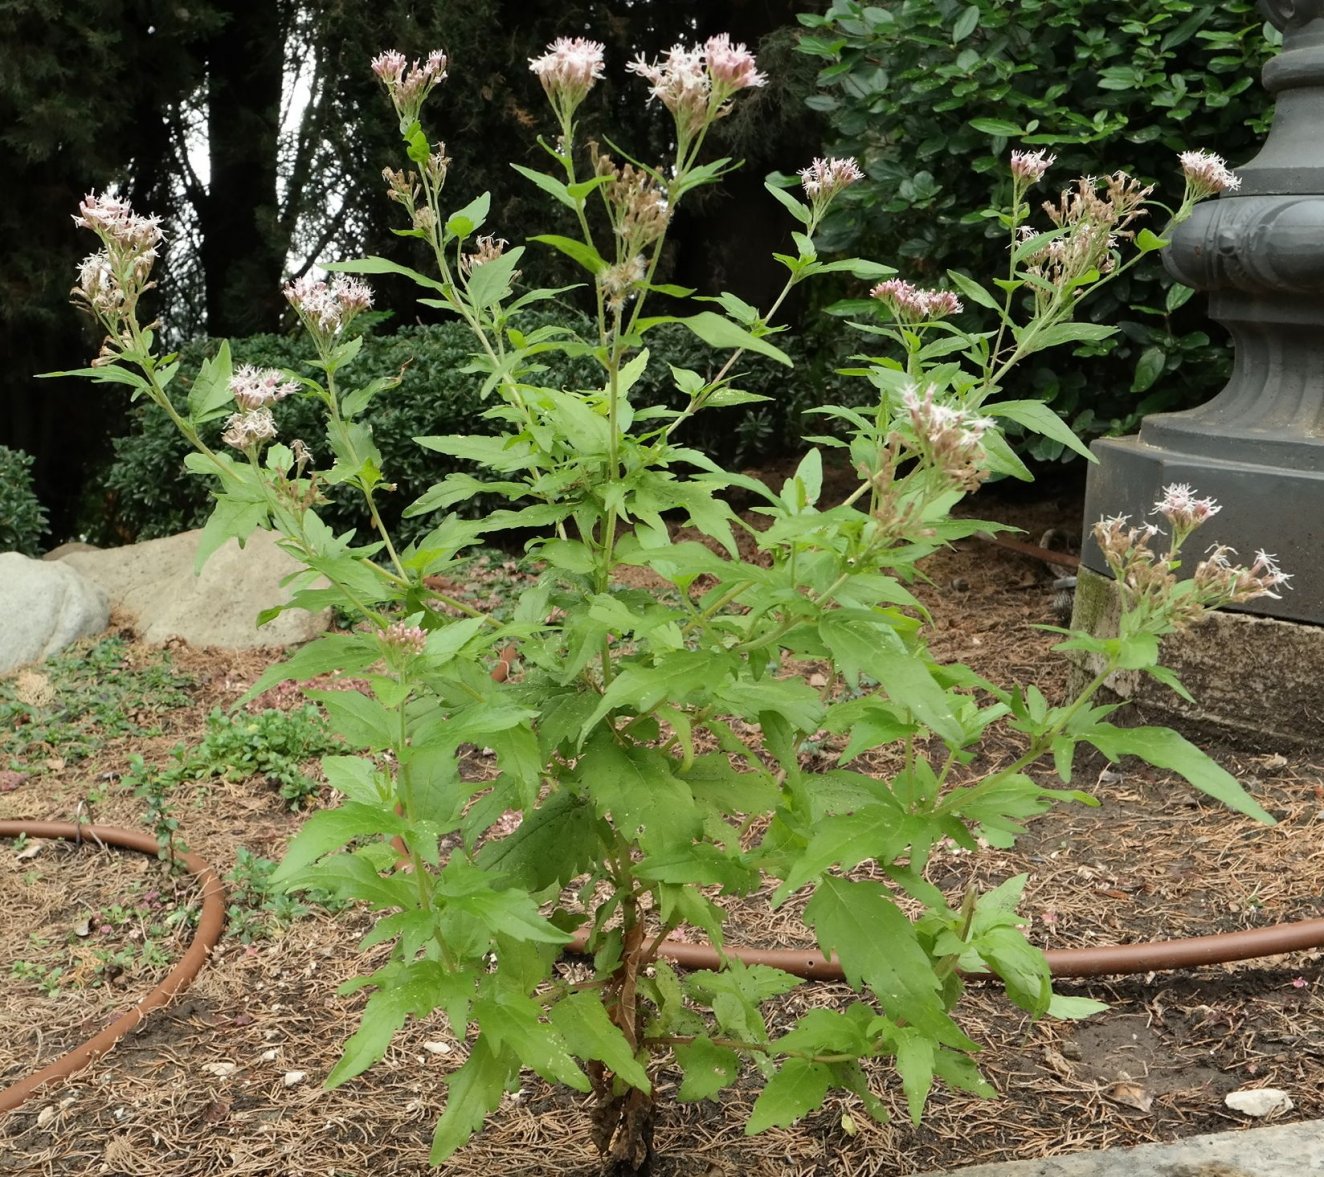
648	742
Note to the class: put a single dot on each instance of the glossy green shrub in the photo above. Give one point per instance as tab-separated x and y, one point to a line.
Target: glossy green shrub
931	95
22	517
149	495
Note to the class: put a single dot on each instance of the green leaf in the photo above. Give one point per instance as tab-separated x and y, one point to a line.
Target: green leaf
856	639
585	255
1075	1008
379	265
1149	368
474	1091
799	1087
1164	748
514	1022
211	390
914	1060
1000	127
706	1067
907	681
470	218
549	184
974	291
636	785
553	844
1037	417
799	211
1148	241
489	283
718	331
877	947
966	24
330	829
590	1034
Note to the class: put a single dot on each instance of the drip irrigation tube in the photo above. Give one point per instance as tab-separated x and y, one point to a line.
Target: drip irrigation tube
210	926
1105	960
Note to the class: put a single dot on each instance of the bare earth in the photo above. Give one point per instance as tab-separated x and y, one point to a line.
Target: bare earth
1155	860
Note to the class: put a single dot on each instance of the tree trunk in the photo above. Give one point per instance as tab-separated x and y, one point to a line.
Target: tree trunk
243	253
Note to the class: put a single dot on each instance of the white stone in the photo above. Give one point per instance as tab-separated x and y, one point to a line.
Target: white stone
155	583
43	608
1259	1101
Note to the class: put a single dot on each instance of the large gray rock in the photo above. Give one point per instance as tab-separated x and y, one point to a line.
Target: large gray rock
154	583
44	607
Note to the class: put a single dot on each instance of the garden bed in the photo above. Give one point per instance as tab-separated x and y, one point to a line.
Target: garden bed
228	1080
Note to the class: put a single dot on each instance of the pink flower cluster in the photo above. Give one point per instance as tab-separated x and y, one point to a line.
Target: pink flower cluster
569	70
110	280
248	429
952	438
257	388
410	638
1148	580
824	178
912	305
1028	167
1183	510
409	83
1207	174
326	308
694	82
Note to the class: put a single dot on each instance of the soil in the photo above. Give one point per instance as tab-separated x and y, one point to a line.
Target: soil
1155	860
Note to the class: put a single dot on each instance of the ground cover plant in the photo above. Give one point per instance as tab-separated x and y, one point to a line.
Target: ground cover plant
650	743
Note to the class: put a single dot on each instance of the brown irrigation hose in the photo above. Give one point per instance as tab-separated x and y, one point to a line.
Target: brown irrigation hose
1112	959
210	926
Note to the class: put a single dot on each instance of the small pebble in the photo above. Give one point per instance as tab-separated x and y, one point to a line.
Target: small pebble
960	584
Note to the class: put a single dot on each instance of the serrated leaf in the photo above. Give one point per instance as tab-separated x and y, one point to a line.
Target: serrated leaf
590	1034
513	1021
211	390
473	1091
330	829
914	1061
877	947
706	1068
1165	748
718	331
857	640
489	282
798	1088
907	681
636	785
553	844
1037	417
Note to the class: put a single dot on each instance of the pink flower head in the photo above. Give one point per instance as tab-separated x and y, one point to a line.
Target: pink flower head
326	308
1183	510
731	67
824	178
1028	167
115	222
409	84
950	437
256	388
695	82
568	71
913	305
248	429
409	638
1207	174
